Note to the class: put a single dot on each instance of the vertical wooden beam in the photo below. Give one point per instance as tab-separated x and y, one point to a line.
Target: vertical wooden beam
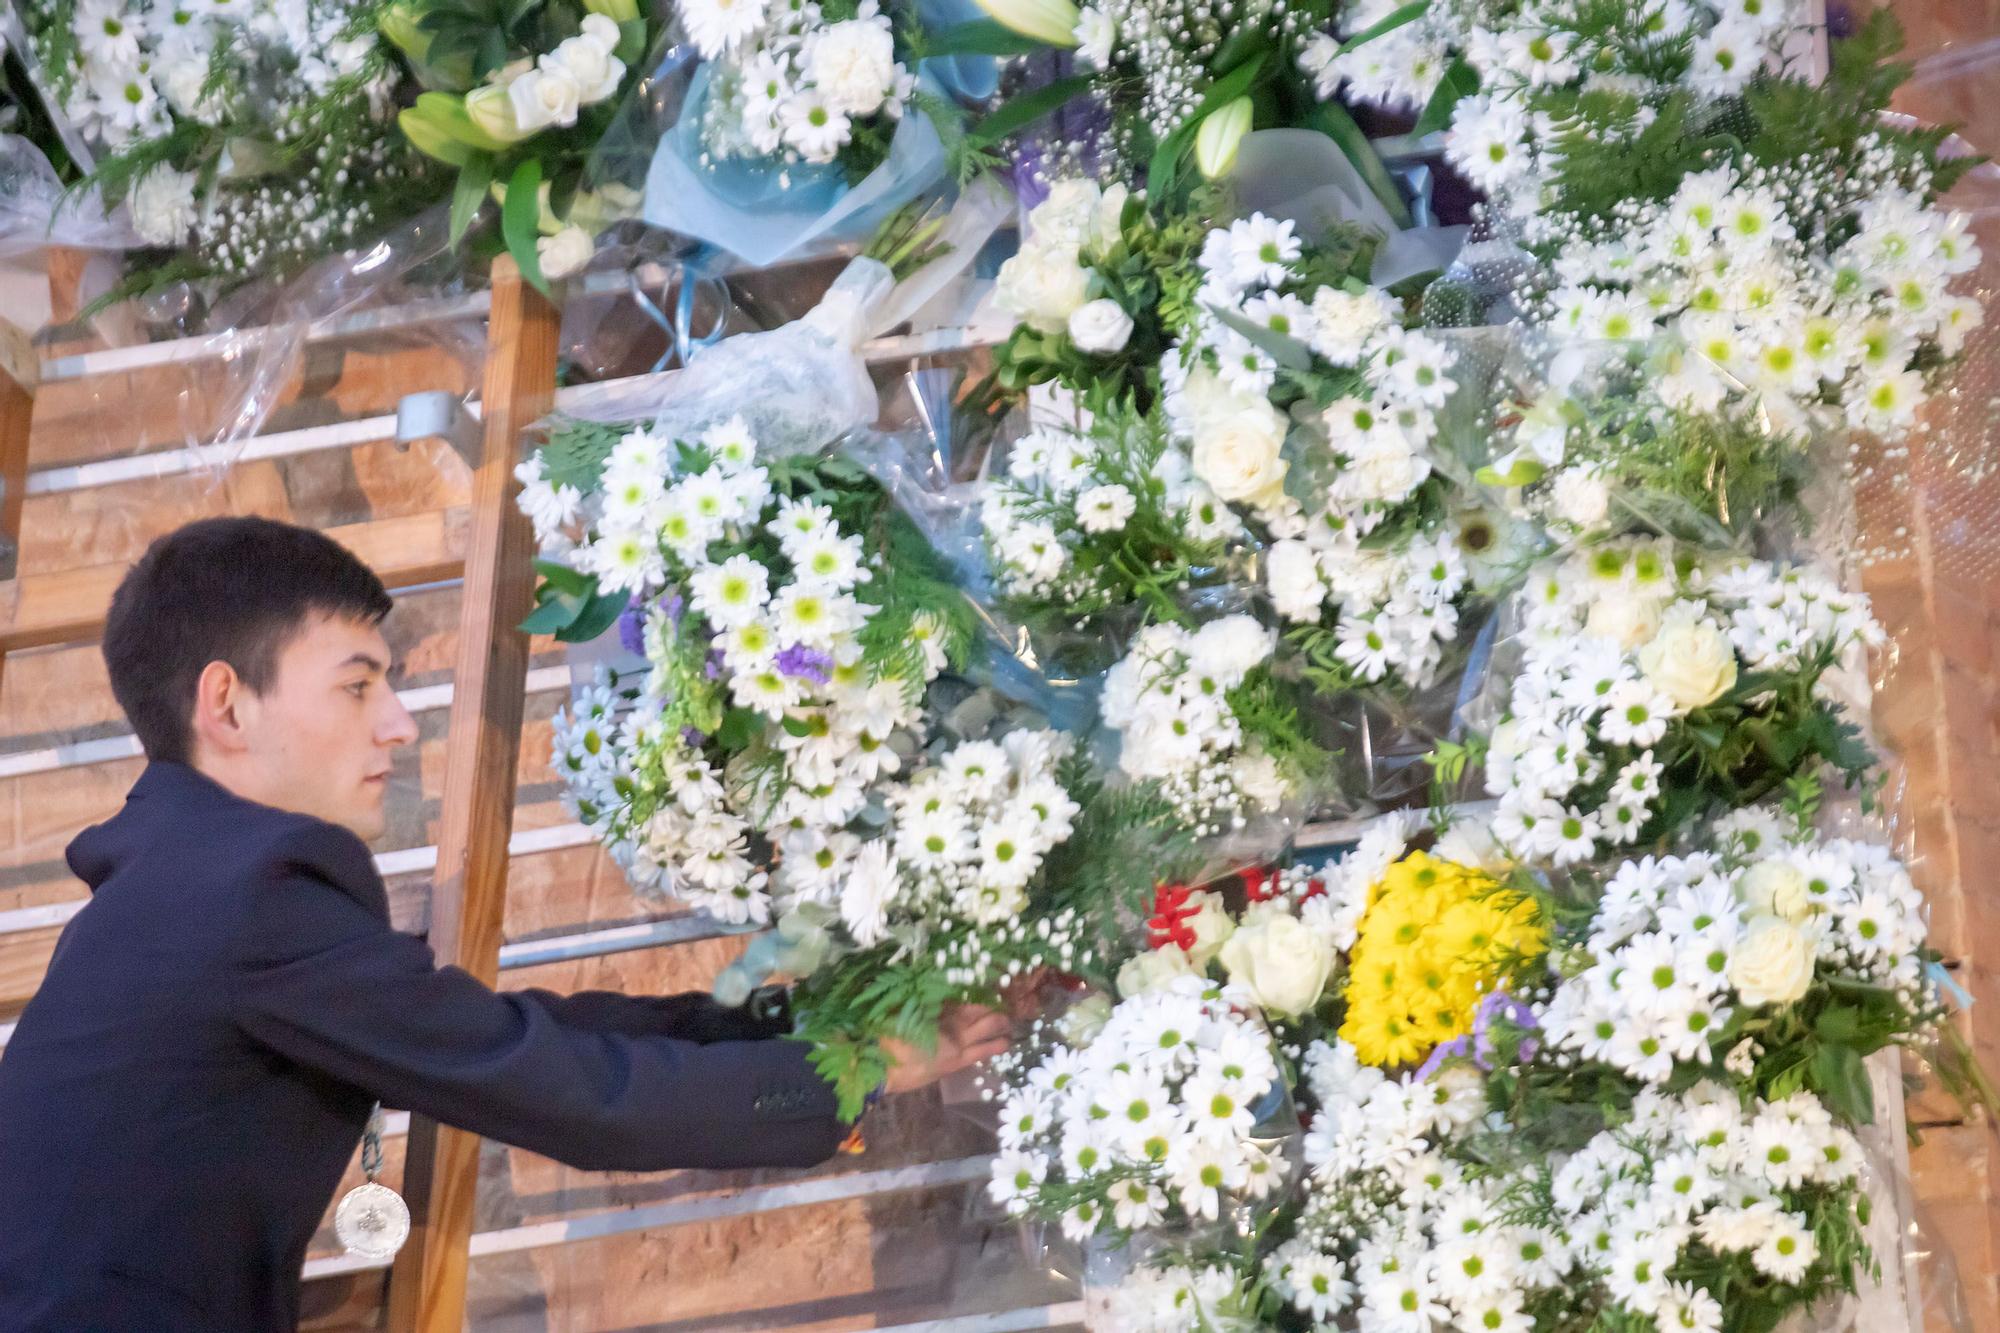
20	368
19	373
428	1285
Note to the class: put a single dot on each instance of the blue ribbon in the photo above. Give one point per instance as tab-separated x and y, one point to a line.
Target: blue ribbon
1946	984
682	341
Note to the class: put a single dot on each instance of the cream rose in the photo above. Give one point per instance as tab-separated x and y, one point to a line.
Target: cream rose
1238	455
1280	962
565	252
1690	662
1100	326
1625	619
1259	778
597	72
1042	286
1153	970
1084	1019
1776	888
1772	963
546	96
1212	926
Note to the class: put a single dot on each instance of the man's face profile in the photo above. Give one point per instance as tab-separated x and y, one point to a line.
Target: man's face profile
321	740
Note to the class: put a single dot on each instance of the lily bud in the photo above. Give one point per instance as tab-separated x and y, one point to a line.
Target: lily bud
1050	21
1220	135
492	111
399	24
618	11
425	136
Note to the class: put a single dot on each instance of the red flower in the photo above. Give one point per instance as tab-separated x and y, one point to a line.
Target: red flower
1169	922
1260	885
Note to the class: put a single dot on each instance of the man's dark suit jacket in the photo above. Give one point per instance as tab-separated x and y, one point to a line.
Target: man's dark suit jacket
183	1095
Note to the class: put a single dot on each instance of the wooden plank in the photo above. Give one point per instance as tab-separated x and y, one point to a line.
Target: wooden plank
69	607
428	1285
17	412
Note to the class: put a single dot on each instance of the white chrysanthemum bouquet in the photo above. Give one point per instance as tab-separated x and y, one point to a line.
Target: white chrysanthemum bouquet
1159	1116
791	620
1653	686
970	889
1201	720
792	83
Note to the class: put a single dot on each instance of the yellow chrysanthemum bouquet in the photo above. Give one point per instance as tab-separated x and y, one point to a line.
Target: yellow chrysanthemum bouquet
1435	938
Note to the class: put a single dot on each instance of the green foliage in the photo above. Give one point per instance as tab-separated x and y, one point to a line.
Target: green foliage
575	453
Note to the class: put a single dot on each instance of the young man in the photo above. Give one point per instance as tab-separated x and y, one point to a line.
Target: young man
183	1095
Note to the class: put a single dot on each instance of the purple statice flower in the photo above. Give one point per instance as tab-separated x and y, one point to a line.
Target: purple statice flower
806	664
713	668
632	620
1072	135
1478	1043
632	629
695	739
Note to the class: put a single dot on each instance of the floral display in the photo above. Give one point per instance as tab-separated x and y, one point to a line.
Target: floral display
517	102
790	626
1115	698
1154	1118
1652	686
1199	715
248	139
798	84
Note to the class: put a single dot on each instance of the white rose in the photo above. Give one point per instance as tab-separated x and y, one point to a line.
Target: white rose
1064	218
1238	454
1211	925
1624	618
548	95
597	72
1107	224
1385	473
1280	962
602	29
1156	969
1291	572
1259	778
1772	963
1581	497
854	64
1100	326
184	84
565	252
1230	648
163	208
1776	888
1042	286
1085	1019
1690	662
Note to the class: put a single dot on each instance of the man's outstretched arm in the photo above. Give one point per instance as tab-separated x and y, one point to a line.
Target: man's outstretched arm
320	979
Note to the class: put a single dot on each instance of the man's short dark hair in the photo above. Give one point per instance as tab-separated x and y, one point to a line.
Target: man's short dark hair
229	590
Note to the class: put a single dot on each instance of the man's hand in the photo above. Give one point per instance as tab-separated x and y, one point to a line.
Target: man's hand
967	1034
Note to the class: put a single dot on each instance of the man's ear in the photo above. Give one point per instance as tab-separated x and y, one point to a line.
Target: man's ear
220	697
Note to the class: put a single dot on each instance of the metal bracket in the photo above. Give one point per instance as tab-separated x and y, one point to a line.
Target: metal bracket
440	415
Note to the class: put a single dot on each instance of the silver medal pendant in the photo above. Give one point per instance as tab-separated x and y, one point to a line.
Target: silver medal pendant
372	1220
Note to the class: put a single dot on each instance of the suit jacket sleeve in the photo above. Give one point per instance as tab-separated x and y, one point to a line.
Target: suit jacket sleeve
691	1017
319	977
